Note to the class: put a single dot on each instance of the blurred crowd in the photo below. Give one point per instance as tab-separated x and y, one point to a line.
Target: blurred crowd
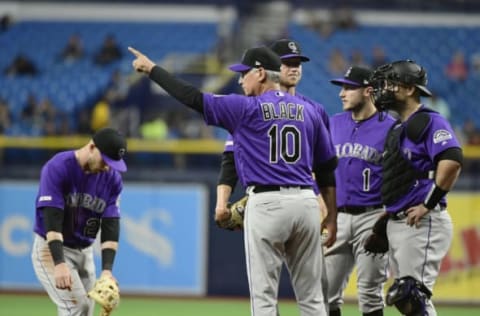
115	107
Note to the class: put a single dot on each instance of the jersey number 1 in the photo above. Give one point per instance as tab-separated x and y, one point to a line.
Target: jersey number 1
279	141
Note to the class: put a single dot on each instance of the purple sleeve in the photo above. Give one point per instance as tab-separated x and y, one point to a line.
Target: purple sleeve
224	110
324	149
113	203
51	184
440	136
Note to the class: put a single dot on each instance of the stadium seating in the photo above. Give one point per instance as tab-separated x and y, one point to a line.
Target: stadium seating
72	86
77	84
431	47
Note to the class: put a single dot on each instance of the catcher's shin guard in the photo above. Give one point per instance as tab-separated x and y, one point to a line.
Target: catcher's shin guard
409	296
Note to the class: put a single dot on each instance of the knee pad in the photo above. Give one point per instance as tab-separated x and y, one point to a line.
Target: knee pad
409	296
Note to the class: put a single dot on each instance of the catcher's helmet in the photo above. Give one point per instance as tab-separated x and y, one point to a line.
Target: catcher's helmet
402	71
407	72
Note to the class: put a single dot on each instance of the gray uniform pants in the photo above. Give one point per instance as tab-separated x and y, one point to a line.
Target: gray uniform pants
418	252
284	226
347	253
81	264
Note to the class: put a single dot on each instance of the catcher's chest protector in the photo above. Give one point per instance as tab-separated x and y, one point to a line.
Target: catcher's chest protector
398	174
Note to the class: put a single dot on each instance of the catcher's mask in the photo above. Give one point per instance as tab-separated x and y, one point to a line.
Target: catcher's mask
409	296
387	77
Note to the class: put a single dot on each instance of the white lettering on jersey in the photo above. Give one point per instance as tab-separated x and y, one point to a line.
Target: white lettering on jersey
45	198
359	151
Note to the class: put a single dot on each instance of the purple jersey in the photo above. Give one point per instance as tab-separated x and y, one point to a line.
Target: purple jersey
277	136
438	137
323	113
84	198
359	147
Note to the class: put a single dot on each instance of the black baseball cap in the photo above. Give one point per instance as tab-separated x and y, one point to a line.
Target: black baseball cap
287	48
355	76
112	146
258	57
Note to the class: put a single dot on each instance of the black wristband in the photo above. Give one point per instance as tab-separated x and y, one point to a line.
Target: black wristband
434	196
56	249
108	255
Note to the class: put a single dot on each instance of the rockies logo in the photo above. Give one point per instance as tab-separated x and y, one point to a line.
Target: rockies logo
293	47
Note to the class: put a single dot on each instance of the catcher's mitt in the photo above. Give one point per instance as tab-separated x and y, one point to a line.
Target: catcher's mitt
377	242
106	293
235	220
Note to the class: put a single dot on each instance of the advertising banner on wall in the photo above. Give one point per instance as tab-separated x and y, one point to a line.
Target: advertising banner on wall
163	243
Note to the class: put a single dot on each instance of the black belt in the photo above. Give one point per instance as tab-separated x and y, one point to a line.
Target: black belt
356	210
402	214
75	246
269	188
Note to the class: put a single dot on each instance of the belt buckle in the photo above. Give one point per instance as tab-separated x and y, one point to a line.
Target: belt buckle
399	215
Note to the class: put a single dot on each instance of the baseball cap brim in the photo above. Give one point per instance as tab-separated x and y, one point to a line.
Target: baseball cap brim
342	81
118	165
239	67
288	56
424	91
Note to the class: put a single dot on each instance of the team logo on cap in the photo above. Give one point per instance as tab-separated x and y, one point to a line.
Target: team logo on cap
257	63
347	74
441	136
293	47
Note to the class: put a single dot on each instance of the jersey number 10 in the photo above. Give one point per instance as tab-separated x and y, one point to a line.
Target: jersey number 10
280	141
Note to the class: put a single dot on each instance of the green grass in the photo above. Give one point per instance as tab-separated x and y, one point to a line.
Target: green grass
40	305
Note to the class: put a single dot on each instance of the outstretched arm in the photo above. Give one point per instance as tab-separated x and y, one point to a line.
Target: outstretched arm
179	89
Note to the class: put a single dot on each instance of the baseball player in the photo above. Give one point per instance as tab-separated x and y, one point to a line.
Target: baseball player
78	195
279	141
291	57
358	135
421	162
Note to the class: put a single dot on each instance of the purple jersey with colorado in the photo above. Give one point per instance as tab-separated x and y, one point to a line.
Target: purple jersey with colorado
277	136
359	147
438	137
84	198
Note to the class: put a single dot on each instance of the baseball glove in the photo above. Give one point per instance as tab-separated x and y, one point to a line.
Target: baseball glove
106	293
237	212
377	242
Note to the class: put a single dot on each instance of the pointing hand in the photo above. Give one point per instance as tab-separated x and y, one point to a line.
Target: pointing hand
141	63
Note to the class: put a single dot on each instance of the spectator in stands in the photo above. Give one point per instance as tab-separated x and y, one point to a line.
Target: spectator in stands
73	50
343	18
5	116
21	65
457	68
337	63
471	134
357	59
379	57
125	116
438	104
155	128
29	110
475	62
46	118
109	51
83	122
5	22
101	115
